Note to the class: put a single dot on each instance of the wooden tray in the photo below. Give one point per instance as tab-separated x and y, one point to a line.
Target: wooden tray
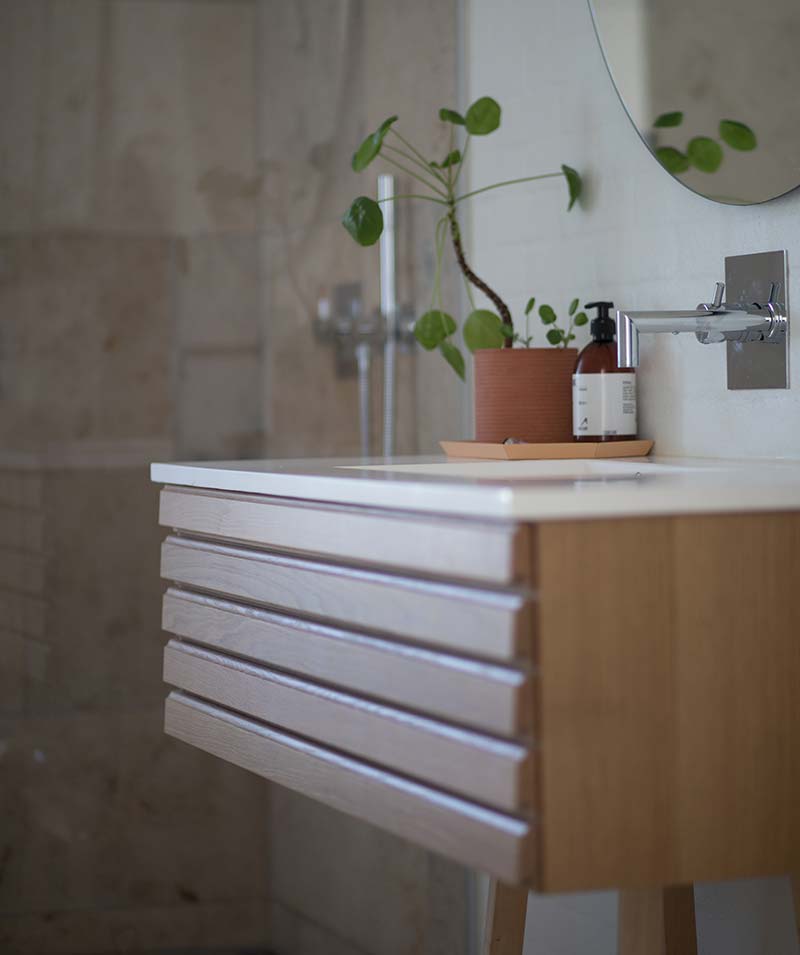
546	452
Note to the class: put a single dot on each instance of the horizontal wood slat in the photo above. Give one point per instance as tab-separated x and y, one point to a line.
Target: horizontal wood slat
486	551
472	621
493	698
473	835
492	771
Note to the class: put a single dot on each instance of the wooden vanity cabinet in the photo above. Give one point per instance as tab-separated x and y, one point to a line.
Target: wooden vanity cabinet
569	705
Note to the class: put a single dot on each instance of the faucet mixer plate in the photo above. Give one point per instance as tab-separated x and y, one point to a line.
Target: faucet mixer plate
754	322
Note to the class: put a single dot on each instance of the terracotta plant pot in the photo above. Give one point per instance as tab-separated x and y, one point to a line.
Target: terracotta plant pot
524	393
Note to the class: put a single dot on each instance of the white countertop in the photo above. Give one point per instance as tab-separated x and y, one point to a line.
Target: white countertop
505	490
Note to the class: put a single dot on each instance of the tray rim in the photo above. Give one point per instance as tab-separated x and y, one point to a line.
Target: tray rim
567	450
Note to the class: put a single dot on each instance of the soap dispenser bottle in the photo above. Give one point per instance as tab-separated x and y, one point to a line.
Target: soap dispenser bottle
603	394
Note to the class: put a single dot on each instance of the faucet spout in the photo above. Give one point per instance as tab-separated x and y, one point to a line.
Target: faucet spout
710	323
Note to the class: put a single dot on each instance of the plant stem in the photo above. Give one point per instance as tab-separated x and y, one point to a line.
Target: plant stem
426	166
461	161
469	293
499	304
417	153
412	195
508	182
416	176
436	296
450	167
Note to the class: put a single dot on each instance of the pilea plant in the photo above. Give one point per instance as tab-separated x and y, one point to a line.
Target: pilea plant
560	337
702	152
436	328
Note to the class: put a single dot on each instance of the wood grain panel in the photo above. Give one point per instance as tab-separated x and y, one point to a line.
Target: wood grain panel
457	828
506	909
488	696
657	921
472	621
492	771
668	712
486	551
606	702
737	669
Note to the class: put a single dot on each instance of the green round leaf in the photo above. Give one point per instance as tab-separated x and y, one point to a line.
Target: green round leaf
483	329
547	315
453	357
366	152
384	127
668	119
451	159
737	135
529	306
433	327
580	319
554	336
371	146
673	160
573	306
704	154
451	116
483	117
574	184
364	220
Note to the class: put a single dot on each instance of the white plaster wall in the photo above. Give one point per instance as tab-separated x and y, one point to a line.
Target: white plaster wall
644	241
640	238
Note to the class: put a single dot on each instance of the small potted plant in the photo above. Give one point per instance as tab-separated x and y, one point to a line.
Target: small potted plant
521	392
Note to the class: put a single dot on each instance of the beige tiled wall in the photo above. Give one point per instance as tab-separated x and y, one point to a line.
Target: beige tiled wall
172	173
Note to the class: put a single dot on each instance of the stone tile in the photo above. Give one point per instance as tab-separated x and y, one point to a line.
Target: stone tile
58	840
21	76
313	48
22	613
377	892
70	137
313	409
21	572
107	812
104	347
218	292
193	827
20	489
102	639
21	529
220	412
293	934
410	61
224	928
180	126
12	672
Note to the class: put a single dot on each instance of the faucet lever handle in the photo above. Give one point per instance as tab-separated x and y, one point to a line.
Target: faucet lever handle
718	293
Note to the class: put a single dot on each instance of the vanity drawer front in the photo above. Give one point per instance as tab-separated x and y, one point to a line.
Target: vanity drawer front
471	834
486	551
488	696
493	771
474	621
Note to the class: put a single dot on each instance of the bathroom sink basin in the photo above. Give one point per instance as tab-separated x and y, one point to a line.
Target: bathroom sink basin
537	471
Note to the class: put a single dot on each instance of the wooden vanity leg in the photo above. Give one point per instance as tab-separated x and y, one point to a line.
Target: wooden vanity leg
505	919
657	921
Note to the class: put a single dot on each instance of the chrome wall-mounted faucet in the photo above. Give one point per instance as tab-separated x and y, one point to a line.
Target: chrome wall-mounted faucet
754	321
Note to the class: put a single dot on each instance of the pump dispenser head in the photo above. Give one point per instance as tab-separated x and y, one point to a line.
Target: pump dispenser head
603	327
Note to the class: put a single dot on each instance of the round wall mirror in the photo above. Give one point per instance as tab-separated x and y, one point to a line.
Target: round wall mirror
712	87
